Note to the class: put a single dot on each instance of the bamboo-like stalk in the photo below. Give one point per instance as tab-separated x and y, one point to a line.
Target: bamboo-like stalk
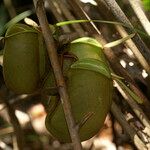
137	110
104	8
137	7
52	52
136	125
120	16
131	132
130	43
16	125
134	49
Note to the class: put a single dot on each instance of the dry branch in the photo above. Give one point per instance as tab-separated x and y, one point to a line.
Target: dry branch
6	131
40	11
132	133
58	17
104	8
69	16
134	49
137	110
120	16
16	125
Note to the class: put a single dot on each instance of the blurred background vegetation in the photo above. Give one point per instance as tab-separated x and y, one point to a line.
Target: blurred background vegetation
27	111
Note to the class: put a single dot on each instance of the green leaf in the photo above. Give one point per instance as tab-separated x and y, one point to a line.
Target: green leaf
88	40
117	42
19	28
102	21
128	90
17	19
146	4
29	31
93	65
86	47
116	76
83	21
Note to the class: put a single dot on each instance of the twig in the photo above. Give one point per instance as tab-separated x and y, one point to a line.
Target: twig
39	6
134	49
6	131
67	38
138	127
119	14
90	27
103	8
136	6
69	16
137	110
131	132
19	99
16	125
57	15
14	141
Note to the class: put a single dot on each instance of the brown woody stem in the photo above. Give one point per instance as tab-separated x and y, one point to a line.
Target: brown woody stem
52	52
